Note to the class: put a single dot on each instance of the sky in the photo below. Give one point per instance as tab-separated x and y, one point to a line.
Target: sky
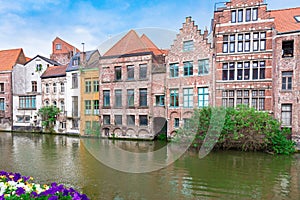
34	24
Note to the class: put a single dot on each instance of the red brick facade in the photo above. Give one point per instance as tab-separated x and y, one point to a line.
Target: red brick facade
243	54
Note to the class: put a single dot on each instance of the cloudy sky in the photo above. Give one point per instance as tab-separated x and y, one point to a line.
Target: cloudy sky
33	24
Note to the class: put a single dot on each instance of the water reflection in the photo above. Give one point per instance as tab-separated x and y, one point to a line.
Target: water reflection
220	175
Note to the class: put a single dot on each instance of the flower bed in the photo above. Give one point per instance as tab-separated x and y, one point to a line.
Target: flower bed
13	186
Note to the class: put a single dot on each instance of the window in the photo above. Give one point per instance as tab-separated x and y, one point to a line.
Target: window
75	61
106	98
240	43
118	120
203	67
62	106
287	80
231	71
160	100
248	15
143	71
27	102
58	46
96	107
233	16
143	120
176	122
174	70
188	45
130	120
258	99
203	97
118	73
247	42
75	124
1	87
23	118
88	107
255	41
297	18
242	97
232	44
231	98
54	103
287	49
255	14
95	126
225	43
63	125
88	127
74	80
174	97
54	88
243	70
143	97
258	70
39	67
286	114
130	98
262	41
188	98
88	86
188	69
47	88
96	86
130	72
240	15
62	87
75	107
118	98
2	104
33	86
106	119
46	103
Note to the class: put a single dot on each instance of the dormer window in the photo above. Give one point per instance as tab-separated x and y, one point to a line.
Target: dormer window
75	62
297	18
58	46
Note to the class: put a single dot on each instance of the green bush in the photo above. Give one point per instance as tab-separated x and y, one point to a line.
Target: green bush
244	129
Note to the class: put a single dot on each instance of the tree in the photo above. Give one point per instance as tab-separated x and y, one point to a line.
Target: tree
48	115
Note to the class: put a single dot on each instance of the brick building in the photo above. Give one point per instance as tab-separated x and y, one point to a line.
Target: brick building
286	85
8	59
132	76
189	75
242	32
62	52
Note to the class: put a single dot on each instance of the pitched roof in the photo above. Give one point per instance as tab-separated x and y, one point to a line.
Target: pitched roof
285	19
11	57
65	46
55	71
52	62
132	43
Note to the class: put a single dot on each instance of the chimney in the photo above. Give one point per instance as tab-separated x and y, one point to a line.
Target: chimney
205	32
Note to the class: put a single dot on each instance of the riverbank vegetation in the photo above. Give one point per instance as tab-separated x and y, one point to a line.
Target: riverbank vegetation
243	129
48	115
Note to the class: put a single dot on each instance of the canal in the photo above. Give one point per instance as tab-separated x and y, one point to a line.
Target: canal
219	175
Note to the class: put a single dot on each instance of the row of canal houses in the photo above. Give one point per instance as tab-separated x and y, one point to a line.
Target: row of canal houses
136	90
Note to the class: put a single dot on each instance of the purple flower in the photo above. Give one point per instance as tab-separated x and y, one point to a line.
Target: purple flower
2	197
53	198
17	176
20	191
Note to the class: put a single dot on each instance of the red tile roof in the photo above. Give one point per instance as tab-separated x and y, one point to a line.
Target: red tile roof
55	71
285	21
65	47
11	57
132	43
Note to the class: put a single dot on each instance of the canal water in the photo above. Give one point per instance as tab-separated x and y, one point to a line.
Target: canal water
219	175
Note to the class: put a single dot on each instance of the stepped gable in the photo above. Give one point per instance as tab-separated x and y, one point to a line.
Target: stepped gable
286	19
132	43
11	57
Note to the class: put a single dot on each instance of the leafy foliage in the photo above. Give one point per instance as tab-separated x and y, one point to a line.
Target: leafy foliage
244	129
48	115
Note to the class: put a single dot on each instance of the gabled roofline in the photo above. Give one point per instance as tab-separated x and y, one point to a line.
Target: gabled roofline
52	62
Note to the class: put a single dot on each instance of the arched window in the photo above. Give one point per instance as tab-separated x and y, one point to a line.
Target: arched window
54	103
47	88
62	87
54	87
62	106
47	103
